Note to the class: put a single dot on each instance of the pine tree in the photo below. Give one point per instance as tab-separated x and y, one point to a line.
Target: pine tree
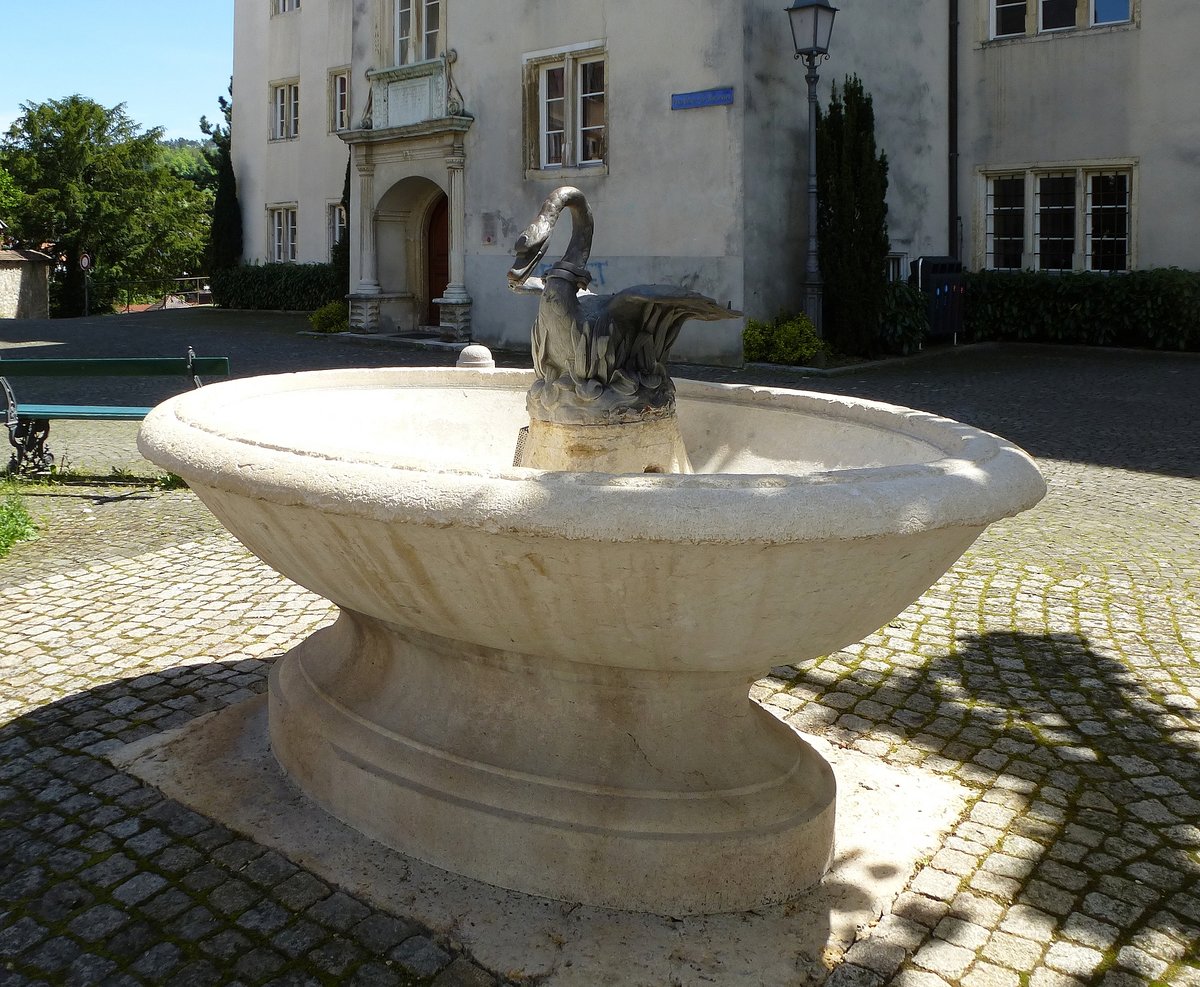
852	220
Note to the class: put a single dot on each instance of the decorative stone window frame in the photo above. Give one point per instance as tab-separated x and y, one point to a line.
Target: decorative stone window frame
1038	21
1085	212
338	90
283	232
284	109
571	60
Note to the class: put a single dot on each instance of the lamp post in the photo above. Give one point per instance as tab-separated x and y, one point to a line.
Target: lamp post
812	25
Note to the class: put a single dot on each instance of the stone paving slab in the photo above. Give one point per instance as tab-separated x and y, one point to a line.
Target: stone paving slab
887	819
1053	673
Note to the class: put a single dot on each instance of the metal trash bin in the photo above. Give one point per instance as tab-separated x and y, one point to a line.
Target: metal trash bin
942	281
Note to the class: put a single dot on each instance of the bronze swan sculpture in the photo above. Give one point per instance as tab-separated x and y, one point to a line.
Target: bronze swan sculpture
599	359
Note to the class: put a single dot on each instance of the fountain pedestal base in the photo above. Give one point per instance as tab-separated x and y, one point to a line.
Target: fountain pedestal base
667	792
653	445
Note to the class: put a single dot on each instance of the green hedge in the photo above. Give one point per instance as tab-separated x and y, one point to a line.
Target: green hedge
291	287
1157	308
904	319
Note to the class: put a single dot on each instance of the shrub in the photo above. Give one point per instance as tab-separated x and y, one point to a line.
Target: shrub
291	287
1157	308
904	318
787	339
331	317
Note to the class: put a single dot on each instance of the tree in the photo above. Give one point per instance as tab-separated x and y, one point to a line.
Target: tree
10	197
852	220
191	159
340	255
225	234
92	181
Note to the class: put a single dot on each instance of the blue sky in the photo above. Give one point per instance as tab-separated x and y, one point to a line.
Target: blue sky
168	62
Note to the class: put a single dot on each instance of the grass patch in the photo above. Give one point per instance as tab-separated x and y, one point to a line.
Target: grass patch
15	523
119	476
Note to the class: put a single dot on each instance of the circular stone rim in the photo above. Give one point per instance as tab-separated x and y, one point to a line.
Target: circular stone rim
980	479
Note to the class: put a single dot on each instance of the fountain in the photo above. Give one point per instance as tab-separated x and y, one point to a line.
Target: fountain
539	674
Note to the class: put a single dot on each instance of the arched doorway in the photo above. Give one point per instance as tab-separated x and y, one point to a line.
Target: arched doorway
437	253
412	245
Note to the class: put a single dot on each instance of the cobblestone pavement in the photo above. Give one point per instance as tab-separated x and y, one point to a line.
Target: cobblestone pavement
1053	671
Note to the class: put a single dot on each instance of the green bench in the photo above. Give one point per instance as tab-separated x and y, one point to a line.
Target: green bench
28	424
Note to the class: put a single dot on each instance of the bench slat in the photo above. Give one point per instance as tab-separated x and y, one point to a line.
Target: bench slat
82	412
167	366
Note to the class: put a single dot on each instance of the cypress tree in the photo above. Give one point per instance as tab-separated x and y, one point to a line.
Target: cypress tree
340	255
852	220
225	235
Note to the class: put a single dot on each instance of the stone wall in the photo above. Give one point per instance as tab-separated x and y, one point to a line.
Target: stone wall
24	285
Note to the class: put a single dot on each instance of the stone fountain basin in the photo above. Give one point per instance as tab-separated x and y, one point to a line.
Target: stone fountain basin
540	679
810	519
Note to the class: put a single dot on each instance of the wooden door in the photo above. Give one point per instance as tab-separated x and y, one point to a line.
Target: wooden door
437	257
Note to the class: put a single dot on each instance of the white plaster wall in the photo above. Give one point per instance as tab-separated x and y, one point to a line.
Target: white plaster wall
668	209
899	50
1121	92
775	163
310	170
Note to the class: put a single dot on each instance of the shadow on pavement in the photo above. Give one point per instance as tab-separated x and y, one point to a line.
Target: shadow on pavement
1104	848
104	880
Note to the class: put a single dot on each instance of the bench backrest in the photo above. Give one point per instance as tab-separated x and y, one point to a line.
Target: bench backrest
166	366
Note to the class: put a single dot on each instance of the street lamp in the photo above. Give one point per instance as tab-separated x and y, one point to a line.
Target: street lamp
812	25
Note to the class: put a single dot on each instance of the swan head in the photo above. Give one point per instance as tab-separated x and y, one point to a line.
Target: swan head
530	248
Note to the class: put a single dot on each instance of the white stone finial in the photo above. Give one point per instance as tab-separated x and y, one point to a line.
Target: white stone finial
476	357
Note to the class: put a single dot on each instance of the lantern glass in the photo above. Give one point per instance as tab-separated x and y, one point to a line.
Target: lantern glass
812	26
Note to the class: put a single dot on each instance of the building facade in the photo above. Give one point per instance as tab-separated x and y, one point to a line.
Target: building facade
291	83
1047	134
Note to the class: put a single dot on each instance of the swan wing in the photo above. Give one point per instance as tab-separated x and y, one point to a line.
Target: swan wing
644	321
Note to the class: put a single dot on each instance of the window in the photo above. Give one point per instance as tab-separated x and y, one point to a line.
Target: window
1110	11
336	224
418	30
339	101
283	234
283	6
1107	222
1054	238
568	99
1008	18
285	111
1006	222
1012	18
1056	15
1059	219
591	116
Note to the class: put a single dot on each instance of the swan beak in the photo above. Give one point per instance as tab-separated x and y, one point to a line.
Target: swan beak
530	248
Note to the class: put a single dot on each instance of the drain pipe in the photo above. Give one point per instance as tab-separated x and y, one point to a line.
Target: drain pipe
952	234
